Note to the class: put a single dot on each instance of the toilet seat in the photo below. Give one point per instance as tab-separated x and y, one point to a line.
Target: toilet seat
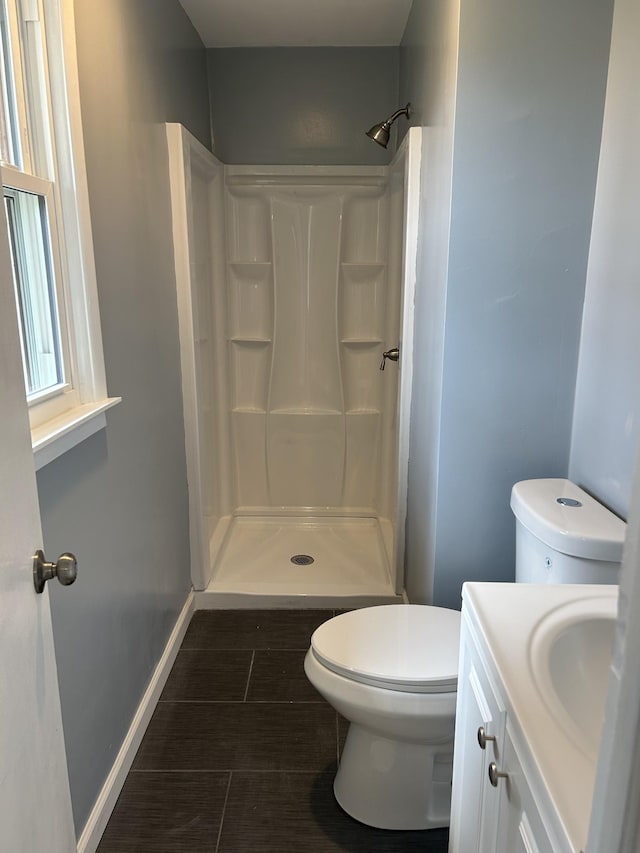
404	647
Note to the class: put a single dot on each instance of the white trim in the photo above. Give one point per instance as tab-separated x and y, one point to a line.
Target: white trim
84	316
45	406
187	156
53	438
614	817
108	796
59	422
182	146
411	152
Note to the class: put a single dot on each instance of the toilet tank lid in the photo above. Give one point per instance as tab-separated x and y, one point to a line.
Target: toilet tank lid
547	509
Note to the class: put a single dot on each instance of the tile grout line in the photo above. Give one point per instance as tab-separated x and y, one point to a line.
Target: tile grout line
236	649
241	702
224	811
320	701
246	692
246	770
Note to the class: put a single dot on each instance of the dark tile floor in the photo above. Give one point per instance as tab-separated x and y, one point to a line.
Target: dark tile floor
241	752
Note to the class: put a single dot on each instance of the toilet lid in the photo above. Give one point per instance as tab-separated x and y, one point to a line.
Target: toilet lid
407	647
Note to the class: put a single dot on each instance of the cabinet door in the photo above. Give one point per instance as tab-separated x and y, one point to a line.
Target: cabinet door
474	807
520	828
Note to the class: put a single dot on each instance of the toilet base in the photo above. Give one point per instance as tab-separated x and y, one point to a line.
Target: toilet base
393	784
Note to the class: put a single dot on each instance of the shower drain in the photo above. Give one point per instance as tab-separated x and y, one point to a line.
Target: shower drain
302	560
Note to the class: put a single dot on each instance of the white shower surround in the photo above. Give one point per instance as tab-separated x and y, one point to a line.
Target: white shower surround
291	283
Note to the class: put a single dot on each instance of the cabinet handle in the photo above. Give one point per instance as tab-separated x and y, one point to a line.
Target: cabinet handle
484	738
495	775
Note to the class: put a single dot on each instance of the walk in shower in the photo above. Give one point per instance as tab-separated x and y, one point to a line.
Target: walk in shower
292	283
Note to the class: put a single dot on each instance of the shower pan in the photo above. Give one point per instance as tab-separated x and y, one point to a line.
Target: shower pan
292	281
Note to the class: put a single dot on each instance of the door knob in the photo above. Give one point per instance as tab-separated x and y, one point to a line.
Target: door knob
495	775
484	738
391	354
65	569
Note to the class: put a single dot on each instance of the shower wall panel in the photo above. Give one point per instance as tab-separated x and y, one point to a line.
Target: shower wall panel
308	300
198	203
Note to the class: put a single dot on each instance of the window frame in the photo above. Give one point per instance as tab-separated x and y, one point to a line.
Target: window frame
75	410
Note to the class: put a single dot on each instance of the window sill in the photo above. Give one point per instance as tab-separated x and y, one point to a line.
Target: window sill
57	436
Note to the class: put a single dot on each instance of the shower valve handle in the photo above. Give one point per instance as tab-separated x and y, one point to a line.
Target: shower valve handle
391	354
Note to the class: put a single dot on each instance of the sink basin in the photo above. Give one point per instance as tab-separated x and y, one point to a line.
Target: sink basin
570	656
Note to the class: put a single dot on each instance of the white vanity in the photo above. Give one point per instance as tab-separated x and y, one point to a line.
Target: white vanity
534	666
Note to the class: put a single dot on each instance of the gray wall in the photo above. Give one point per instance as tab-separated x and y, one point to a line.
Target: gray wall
607	407
428	64
530	93
301	105
119	500
531	84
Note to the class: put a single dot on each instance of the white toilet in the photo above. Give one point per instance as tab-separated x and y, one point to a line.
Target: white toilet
392	670
563	535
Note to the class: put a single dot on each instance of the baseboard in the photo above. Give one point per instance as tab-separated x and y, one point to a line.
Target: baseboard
108	796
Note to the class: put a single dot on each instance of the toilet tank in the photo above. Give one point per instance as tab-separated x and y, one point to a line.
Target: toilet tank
563	535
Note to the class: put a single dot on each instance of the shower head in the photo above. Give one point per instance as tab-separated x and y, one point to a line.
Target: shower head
380	132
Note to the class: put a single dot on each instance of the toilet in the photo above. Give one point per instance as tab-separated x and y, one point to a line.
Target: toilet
391	670
563	535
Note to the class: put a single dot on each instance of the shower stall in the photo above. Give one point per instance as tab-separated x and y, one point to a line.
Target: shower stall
292	282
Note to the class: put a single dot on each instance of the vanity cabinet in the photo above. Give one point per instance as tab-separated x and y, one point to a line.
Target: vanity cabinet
493	809
479	739
520	828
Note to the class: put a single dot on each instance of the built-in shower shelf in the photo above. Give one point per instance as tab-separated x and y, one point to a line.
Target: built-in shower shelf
237	339
305	411
354	177
250	266
253	410
361	342
356	266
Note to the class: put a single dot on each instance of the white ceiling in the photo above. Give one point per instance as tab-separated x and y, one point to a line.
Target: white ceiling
298	23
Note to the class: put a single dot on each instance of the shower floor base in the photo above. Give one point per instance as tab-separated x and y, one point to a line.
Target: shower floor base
254	567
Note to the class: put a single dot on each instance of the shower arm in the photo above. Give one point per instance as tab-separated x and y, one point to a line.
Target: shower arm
403	111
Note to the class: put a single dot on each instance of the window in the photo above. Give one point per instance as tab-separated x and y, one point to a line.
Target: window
46	209
34	281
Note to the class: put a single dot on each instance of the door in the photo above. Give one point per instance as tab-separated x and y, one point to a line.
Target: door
479	738
520	828
35	803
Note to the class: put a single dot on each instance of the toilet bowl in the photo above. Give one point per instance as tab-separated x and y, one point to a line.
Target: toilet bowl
391	671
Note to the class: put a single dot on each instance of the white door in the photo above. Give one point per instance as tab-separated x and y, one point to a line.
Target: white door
520	827
474	807
35	804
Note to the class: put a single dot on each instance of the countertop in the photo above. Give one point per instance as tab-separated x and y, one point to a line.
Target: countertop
507	617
